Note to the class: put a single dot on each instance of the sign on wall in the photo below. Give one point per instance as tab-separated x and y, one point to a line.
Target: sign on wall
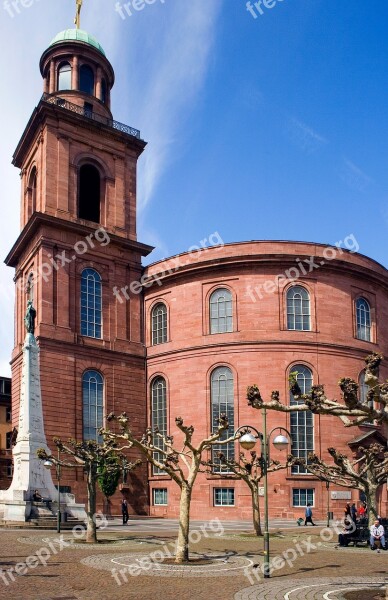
341	495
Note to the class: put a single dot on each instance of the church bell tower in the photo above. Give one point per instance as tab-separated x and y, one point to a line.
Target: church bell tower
77	243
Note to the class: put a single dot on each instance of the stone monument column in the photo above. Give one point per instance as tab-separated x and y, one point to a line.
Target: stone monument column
29	474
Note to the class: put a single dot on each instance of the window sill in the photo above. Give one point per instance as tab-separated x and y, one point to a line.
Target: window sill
302	477
86	340
219	477
300	330
373	343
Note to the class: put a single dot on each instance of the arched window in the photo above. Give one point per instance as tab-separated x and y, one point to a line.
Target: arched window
298	308
363	317
86	80
92	404
302	423
89	194
159	324
30	288
91	303
222	402
363	390
32	185
159	415
103	91
64	77
221	311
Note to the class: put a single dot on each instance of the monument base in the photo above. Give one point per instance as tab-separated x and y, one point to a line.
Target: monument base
16	508
29	474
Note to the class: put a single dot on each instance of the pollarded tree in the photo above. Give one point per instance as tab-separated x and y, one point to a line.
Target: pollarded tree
251	471
367	472
352	412
90	455
371	462
182	465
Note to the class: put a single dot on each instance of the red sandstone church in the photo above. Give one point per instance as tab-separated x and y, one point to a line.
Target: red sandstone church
213	322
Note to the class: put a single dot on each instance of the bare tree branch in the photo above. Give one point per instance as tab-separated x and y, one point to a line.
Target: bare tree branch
367	472
352	411
181	465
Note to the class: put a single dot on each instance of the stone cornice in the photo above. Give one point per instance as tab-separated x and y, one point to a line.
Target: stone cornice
262	346
44	110
40	219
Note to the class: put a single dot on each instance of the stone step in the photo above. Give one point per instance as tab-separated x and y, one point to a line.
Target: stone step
36	524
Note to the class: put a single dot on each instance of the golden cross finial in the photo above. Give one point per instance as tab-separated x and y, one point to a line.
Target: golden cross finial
77	20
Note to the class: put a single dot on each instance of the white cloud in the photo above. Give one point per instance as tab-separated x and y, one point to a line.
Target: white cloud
175	68
161	57
304	136
354	177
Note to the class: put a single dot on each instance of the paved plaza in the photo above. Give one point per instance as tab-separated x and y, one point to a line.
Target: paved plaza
128	562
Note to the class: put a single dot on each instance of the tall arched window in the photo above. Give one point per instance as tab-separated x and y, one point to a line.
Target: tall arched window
159	415
86	80
32	185
221	311
89	193
298	308
363	317
302	423
159	324
92	404
91	303
64	77
222	402
30	288
363	390
103	91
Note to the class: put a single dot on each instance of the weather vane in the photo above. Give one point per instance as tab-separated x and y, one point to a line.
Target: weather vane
77	20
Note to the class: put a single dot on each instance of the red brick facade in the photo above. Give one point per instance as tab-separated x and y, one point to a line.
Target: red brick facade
54	146
261	350
59	139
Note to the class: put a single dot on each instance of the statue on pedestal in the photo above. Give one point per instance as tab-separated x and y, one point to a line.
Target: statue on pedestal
29	319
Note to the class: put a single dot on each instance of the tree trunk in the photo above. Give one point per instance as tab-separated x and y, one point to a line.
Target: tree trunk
371	502
182	551
256	510
91	530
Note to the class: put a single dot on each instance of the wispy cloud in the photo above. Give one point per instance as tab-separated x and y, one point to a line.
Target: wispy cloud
304	136
178	62
354	177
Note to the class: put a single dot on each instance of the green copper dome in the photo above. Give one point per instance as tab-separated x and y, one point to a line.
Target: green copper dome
78	35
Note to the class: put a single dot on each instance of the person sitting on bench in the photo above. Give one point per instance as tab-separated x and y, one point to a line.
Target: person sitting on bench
377	533
349	527
36	496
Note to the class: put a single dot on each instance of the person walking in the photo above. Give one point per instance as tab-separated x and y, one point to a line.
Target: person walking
124	511
309	515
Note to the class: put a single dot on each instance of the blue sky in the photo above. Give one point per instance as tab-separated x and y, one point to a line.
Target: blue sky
266	128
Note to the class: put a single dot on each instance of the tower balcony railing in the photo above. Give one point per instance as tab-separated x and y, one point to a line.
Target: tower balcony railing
90	114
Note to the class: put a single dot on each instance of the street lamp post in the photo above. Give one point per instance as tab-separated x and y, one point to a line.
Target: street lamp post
247	441
49	464
328	503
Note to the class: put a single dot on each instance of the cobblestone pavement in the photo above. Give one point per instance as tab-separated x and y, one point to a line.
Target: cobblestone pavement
220	564
311	589
85	572
73	544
